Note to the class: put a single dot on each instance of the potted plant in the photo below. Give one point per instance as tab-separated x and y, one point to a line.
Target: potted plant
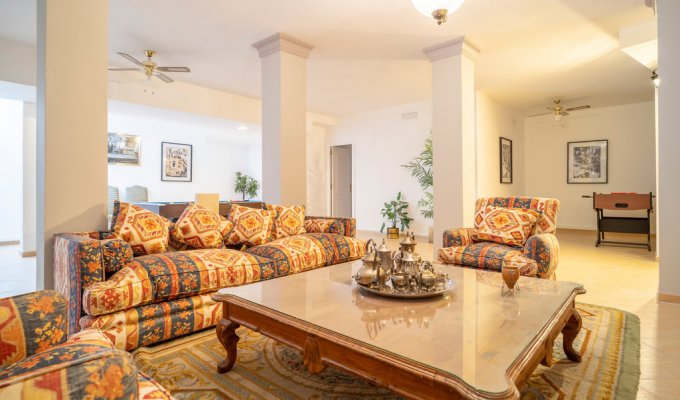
246	185
420	168
396	213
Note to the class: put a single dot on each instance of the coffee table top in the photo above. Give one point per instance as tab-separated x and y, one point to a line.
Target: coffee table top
473	333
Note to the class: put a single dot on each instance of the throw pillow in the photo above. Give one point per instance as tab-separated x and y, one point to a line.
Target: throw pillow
201	228
145	231
252	226
289	221
511	226
116	254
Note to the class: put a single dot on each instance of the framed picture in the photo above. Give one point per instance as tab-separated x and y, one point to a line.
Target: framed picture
506	160
176	162
124	149
587	162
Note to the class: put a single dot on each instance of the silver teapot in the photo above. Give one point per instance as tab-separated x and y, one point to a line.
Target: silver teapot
385	256
427	278
368	274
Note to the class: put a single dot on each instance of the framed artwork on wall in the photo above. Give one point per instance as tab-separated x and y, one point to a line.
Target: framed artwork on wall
124	149
506	160
588	162
176	162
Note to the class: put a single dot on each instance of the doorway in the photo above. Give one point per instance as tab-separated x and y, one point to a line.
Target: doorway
341	181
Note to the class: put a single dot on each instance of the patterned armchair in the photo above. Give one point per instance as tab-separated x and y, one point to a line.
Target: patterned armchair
462	247
38	361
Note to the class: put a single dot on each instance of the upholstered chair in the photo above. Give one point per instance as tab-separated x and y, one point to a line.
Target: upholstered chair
539	255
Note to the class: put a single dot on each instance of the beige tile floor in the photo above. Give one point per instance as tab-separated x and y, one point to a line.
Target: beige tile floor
625	278
620	277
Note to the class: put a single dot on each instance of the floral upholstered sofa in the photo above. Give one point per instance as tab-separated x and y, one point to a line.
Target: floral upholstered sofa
140	300
536	250
37	361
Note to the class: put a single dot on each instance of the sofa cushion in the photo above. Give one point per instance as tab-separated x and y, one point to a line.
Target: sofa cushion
145	231
201	228
116	254
252	227
290	221
162	277
511	226
546	207
489	256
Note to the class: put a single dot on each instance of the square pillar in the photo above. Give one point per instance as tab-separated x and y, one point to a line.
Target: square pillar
453	135
284	118
71	123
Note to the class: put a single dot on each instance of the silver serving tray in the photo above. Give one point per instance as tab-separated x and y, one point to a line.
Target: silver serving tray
388	291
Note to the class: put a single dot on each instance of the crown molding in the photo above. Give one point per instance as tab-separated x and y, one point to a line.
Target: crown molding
283	42
451	48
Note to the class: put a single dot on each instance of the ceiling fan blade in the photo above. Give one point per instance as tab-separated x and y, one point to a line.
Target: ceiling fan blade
173	69
564	113
131	59
578	108
537	115
163	77
124	69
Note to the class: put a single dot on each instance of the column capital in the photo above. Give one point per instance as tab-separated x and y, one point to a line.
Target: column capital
451	48
283	42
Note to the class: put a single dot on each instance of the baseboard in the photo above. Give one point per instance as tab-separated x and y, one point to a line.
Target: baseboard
9	243
27	253
669	298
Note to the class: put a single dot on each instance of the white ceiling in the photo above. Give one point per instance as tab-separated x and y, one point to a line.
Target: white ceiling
368	54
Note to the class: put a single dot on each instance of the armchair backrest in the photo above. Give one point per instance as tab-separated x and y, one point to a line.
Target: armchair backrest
547	222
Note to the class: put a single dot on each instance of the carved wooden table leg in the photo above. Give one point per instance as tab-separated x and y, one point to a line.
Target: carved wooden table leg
226	333
311	356
548	360
569	333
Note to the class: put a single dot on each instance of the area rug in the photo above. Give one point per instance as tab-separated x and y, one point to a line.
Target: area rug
610	368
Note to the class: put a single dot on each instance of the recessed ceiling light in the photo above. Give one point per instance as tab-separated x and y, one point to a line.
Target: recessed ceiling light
242	128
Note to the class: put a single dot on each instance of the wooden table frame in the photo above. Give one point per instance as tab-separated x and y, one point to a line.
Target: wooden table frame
406	377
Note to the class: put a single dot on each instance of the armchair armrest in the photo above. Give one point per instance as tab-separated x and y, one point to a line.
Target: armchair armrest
340	226
545	249
459	237
31	323
80	260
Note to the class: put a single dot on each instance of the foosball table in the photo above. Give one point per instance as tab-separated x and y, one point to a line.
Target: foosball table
616	224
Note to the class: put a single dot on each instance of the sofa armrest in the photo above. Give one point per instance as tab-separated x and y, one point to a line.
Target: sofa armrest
340	226
459	237
31	323
78	263
545	249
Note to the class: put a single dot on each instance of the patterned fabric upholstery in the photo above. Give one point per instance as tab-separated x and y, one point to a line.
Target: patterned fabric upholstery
506	225
548	208
460	237
490	256
116	254
161	277
47	366
339	226
153	323
290	221
545	249
145	231
201	228
252	227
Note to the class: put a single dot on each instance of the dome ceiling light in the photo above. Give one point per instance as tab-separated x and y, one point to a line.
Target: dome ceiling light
438	9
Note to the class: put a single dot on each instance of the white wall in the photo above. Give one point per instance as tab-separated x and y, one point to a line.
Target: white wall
630	130
29	182
218	152
493	121
11	121
381	142
317	177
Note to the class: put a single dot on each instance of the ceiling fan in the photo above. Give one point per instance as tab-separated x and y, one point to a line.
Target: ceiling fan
558	111
150	68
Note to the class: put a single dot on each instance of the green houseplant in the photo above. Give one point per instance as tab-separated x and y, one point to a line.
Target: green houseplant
395	212
246	185
420	168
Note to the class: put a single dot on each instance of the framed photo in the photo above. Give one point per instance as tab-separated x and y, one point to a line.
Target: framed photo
124	149
506	160
587	162
176	162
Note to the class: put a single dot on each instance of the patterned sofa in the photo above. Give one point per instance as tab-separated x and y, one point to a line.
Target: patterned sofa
461	246
138	301
38	362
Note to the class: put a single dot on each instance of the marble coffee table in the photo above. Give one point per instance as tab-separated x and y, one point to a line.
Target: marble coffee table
474	342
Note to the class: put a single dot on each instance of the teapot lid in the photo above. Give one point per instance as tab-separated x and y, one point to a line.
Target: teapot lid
369	257
408	239
383	247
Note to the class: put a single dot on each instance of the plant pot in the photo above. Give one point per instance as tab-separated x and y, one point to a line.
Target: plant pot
393	233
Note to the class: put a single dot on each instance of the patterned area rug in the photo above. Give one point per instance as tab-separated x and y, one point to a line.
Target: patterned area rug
609	342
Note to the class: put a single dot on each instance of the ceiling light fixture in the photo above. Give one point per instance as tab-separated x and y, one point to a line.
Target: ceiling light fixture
438	9
655	78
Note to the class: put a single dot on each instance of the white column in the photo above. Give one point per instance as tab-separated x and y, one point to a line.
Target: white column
284	115
453	135
669	147
72	122
28	225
